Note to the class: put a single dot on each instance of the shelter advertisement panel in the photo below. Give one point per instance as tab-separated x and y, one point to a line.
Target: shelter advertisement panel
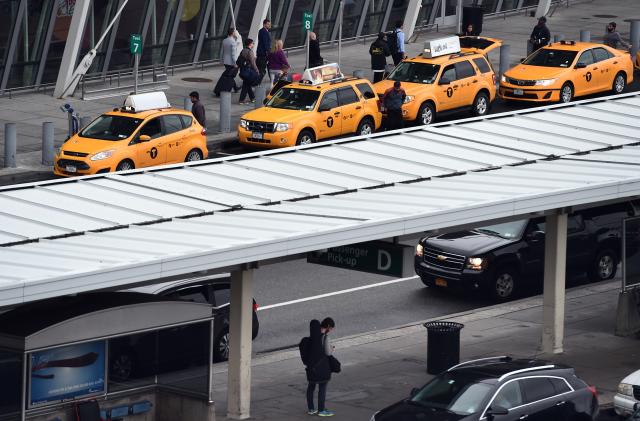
67	373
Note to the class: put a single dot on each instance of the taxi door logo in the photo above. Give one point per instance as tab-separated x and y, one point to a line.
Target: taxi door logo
330	122
154	153
449	92
588	76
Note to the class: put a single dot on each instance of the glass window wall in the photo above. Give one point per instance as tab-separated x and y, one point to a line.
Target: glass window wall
325	19
278	14
295	35
375	16
8	13
218	23
188	31
398	10
130	22
352	14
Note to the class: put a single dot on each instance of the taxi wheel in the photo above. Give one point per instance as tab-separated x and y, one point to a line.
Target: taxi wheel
193	155
480	104
619	83
365	127
305	137
426	114
566	93
125	165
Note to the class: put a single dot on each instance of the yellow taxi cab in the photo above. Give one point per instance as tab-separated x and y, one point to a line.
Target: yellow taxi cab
451	73
146	131
322	105
567	69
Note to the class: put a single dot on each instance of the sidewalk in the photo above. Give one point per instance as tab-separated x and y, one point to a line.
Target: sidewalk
30	110
381	368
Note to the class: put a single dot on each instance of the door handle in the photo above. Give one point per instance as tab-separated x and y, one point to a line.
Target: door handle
615	62
523	417
475	81
595	68
336	113
358	107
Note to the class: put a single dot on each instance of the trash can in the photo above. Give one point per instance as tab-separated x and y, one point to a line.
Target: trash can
443	345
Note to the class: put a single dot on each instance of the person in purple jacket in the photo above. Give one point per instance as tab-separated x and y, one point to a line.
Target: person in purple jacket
277	60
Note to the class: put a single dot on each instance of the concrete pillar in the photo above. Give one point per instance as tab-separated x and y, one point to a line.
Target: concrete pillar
558	37
261	93
240	325
555	260
259	14
225	112
358	74
585	36
72	46
635	39
10	143
187	104
505	51
411	18
543	8
47	143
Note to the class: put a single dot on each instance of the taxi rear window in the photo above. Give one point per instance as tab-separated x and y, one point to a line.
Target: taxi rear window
294	99
482	64
111	127
547	57
408	71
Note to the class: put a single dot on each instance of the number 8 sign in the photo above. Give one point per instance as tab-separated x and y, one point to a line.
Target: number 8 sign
307	21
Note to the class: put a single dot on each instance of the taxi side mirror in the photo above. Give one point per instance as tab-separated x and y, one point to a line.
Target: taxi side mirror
444	81
144	138
581	65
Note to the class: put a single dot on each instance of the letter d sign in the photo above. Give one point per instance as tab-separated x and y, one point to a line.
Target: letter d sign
384	260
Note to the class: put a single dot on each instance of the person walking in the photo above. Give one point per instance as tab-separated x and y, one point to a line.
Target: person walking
197	109
612	37
540	36
399	35
248	72
393	99
315	59
229	56
277	60
264	45
318	370
379	51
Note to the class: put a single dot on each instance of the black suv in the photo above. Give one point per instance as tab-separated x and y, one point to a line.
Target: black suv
499	389
131	356
499	258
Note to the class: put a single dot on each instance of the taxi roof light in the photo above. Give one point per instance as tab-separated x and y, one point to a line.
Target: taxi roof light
564	42
441	47
144	102
322	74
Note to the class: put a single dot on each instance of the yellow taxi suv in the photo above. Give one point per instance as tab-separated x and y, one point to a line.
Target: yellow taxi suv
451	73
564	70
146	131
323	104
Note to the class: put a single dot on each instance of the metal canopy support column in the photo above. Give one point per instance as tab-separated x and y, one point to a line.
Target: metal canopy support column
543	8
72	46
555	259
259	14
112	40
203	30
47	42
387	14
411	17
174	31
285	27
240	327
363	17
13	44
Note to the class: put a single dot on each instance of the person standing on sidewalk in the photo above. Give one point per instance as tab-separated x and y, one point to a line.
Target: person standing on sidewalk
229	56
277	61
197	109
399	55
315	59
264	45
393	99
612	37
248	72
540	36
379	51
318	369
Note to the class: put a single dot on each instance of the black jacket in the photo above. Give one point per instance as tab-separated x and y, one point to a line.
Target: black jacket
318	370
540	35
315	59
197	109
379	51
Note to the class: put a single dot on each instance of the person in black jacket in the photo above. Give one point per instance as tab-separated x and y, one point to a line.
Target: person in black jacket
379	51
540	36
197	109
315	59
318	370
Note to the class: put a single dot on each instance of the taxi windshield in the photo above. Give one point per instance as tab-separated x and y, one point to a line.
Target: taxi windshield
408	71
111	127
294	99
547	57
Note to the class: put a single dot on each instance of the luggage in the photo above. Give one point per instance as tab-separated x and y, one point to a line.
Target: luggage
226	81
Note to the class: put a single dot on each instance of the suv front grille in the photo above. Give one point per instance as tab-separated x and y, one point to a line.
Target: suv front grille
520	82
79	154
261	126
444	260
636	392
62	163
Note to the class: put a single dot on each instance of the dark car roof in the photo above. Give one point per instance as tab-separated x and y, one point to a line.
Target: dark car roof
496	369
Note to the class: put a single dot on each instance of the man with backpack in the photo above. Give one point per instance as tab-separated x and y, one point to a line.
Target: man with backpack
395	41
248	72
393	99
379	52
315	350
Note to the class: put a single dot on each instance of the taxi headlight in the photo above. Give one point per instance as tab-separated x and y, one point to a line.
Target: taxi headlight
545	82
103	155
408	99
282	127
475	263
503	78
243	123
419	250
59	151
625	389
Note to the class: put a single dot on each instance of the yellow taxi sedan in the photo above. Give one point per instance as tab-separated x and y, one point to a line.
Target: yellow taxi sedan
564	70
145	132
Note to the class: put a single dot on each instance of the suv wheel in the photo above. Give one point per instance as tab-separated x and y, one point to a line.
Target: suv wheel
619	83
221	346
365	127
504	284
305	137
604	266
480	105
426	114
566	93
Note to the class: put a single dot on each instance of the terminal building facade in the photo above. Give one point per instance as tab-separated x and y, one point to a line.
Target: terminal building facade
35	33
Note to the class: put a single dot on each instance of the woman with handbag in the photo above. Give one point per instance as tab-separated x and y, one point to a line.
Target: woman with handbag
248	72
318	368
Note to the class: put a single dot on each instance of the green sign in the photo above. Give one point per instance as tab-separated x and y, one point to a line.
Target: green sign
307	21
135	44
373	257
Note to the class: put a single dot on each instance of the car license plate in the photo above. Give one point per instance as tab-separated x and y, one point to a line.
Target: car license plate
70	168
441	282
257	135
518	92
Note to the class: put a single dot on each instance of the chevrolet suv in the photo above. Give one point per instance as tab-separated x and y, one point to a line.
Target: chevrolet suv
501	258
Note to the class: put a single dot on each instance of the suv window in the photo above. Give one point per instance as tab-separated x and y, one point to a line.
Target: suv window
575	223
601	54
347	96
364	88
537	388
222	296
560	385
330	99
482	64
196	294
186	120
509	396
172	123
586	58
464	69
152	128
449	73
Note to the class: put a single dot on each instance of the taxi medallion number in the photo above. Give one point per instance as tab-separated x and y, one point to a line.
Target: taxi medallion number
441	282
518	92
257	135
71	168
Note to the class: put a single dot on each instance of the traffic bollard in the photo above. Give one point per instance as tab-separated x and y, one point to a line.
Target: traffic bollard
635	39
47	143
505	50
10	143
358	73
225	112
585	36
261	93
84	122
187	104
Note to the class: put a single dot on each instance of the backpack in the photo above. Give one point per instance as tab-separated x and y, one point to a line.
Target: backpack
392	42
303	346
242	61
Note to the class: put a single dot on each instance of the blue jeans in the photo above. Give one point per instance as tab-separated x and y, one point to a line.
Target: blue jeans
322	394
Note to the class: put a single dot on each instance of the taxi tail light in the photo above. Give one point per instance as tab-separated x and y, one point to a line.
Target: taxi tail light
493	77
203	132
593	391
255	306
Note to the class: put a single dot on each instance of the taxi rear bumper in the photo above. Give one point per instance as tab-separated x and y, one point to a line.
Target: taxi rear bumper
518	93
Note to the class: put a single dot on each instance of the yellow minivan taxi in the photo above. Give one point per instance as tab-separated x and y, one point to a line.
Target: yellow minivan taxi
452	73
322	105
144	132
567	69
